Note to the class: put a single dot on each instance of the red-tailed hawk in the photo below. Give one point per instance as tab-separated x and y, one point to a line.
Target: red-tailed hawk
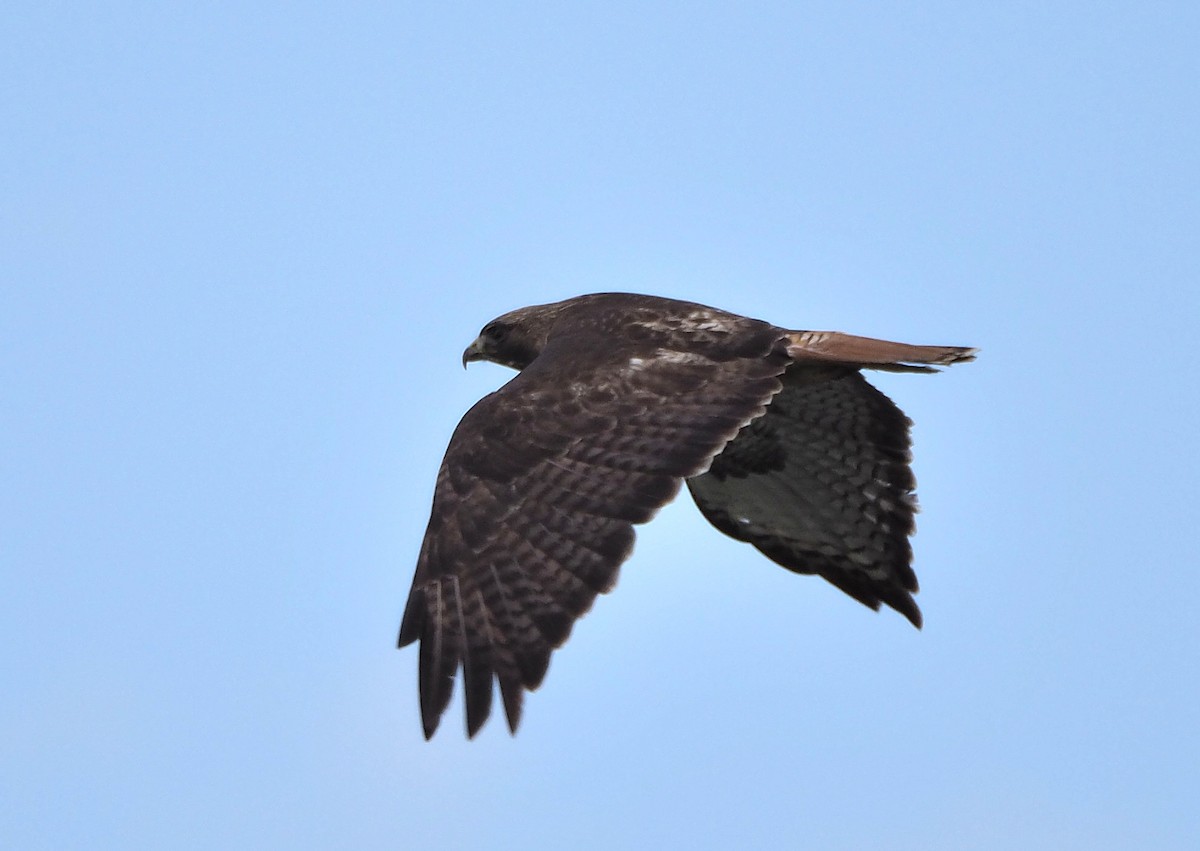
618	400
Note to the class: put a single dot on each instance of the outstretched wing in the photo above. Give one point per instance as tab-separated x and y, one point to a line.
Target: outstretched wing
535	502
821	484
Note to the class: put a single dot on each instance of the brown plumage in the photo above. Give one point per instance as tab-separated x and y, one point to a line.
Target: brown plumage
619	399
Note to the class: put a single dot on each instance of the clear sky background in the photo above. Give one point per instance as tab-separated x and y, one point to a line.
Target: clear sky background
242	247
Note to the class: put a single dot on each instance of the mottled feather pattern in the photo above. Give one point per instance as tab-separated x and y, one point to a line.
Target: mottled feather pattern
531	519
618	400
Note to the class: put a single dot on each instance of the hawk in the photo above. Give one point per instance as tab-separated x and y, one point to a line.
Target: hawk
618	400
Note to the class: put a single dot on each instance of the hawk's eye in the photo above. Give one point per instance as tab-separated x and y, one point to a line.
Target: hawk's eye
496	331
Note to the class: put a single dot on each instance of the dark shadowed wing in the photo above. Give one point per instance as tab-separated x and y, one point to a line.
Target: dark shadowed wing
535	501
821	484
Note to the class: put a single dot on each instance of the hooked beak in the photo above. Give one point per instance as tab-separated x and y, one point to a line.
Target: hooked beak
473	352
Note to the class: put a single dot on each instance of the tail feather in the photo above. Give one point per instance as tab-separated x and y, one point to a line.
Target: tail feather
836	347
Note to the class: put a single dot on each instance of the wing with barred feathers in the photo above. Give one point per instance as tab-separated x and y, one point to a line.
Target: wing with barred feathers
541	486
822	482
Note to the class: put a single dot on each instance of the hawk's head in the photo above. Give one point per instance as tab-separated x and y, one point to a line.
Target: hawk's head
515	338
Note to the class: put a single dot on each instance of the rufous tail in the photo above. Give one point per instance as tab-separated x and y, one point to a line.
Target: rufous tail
836	347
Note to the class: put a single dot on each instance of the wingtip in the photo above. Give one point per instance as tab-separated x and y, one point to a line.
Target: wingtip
413	620
476	719
907	607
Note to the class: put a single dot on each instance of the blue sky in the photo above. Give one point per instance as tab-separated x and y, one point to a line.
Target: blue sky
242	247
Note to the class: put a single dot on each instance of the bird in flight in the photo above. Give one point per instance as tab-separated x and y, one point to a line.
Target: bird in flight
618	400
